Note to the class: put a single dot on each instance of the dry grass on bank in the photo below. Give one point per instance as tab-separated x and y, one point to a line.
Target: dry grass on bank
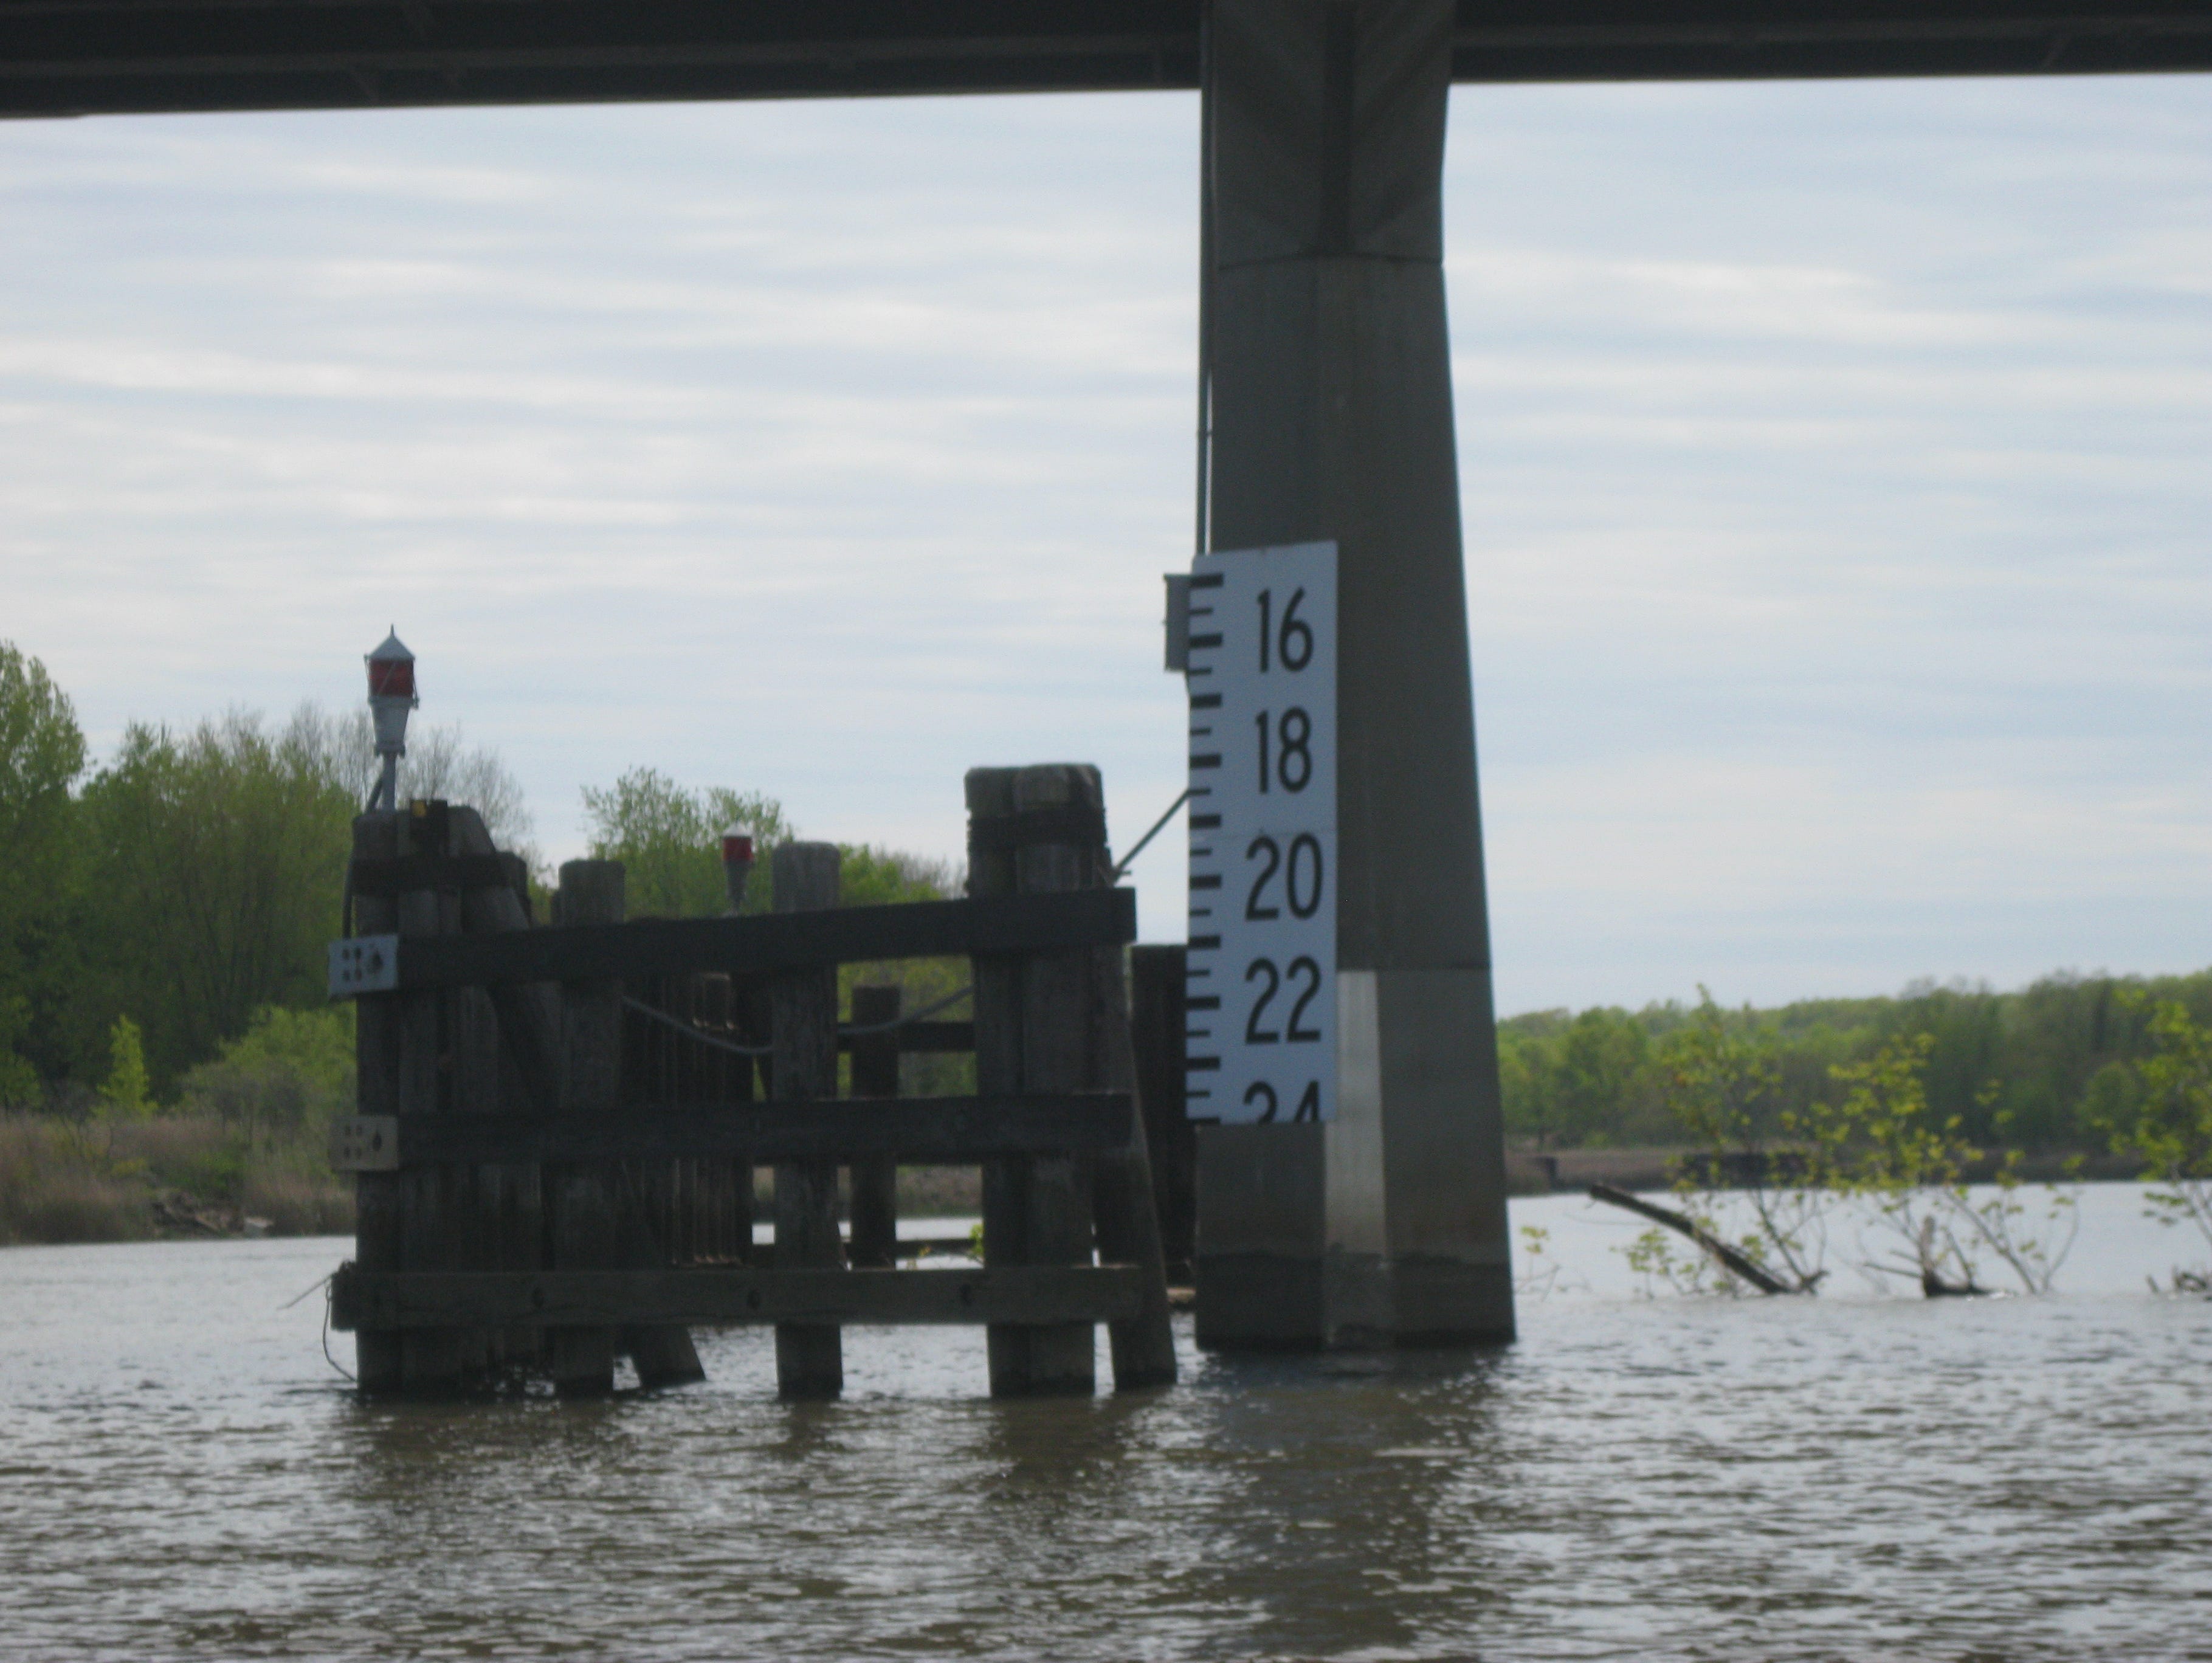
128	1180
72	1180
939	1191
53	1189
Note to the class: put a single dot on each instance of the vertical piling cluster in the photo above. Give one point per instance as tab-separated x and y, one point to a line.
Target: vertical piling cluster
1057	1022
559	1132
431	871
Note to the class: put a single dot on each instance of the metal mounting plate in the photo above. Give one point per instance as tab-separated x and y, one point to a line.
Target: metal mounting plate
364	964
365	1143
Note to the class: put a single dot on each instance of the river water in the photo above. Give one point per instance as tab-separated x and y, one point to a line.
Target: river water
183	1475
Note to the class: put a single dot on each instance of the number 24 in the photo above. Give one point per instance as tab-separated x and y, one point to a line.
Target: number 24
1308	1107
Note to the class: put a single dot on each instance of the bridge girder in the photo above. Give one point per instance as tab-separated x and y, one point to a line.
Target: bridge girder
60	57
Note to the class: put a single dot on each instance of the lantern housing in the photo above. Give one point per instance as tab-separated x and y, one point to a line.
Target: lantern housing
392	697
737	865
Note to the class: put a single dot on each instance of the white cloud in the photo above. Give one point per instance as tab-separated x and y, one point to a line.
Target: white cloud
1833	461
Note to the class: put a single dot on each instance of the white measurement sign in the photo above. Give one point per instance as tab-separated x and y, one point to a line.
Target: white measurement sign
1262	678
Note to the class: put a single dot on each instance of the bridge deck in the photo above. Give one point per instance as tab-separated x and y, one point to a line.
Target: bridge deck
111	57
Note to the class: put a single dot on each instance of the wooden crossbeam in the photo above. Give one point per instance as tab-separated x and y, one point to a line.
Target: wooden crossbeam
915	1131
977	927
366	1300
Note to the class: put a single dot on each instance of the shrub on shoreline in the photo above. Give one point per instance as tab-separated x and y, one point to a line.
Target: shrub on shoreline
63	1180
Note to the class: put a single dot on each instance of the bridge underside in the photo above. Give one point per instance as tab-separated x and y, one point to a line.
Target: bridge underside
118	57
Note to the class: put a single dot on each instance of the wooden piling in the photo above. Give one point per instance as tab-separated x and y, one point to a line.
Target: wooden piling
875	1178
472	1046
1143	1346
506	1061
376	1070
1030	1037
1159	1019
809	1357
529	1013
431	1053
580	1211
434	1201
600	1216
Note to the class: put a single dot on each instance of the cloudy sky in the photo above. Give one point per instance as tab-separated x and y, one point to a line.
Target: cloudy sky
1834	460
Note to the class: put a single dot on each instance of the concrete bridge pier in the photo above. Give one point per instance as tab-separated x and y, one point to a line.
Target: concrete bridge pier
1330	407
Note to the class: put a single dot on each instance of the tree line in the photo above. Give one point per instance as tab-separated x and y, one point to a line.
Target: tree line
171	895
1875	1145
157	906
184	885
2053	1066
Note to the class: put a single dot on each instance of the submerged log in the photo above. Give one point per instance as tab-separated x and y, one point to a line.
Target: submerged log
1730	1260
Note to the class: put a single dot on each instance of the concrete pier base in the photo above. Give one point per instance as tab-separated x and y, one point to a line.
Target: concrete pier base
1386	1226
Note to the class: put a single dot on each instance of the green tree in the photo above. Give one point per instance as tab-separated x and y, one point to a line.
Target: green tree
2168	1126
1912	1161
668	838
1522	1059
2113	1098
1906	1160
126	1094
2046	1068
41	756
215	862
291	1071
1964	1028
1601	1059
870	877
1724	1089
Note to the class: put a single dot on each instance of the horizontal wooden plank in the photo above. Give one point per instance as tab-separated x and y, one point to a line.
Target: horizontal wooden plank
594	1299
983	927
448	874
913	1131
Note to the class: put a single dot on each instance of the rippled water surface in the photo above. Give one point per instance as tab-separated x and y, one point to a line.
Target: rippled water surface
182	1475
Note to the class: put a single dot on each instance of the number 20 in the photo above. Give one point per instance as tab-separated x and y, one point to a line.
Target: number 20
1302	883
